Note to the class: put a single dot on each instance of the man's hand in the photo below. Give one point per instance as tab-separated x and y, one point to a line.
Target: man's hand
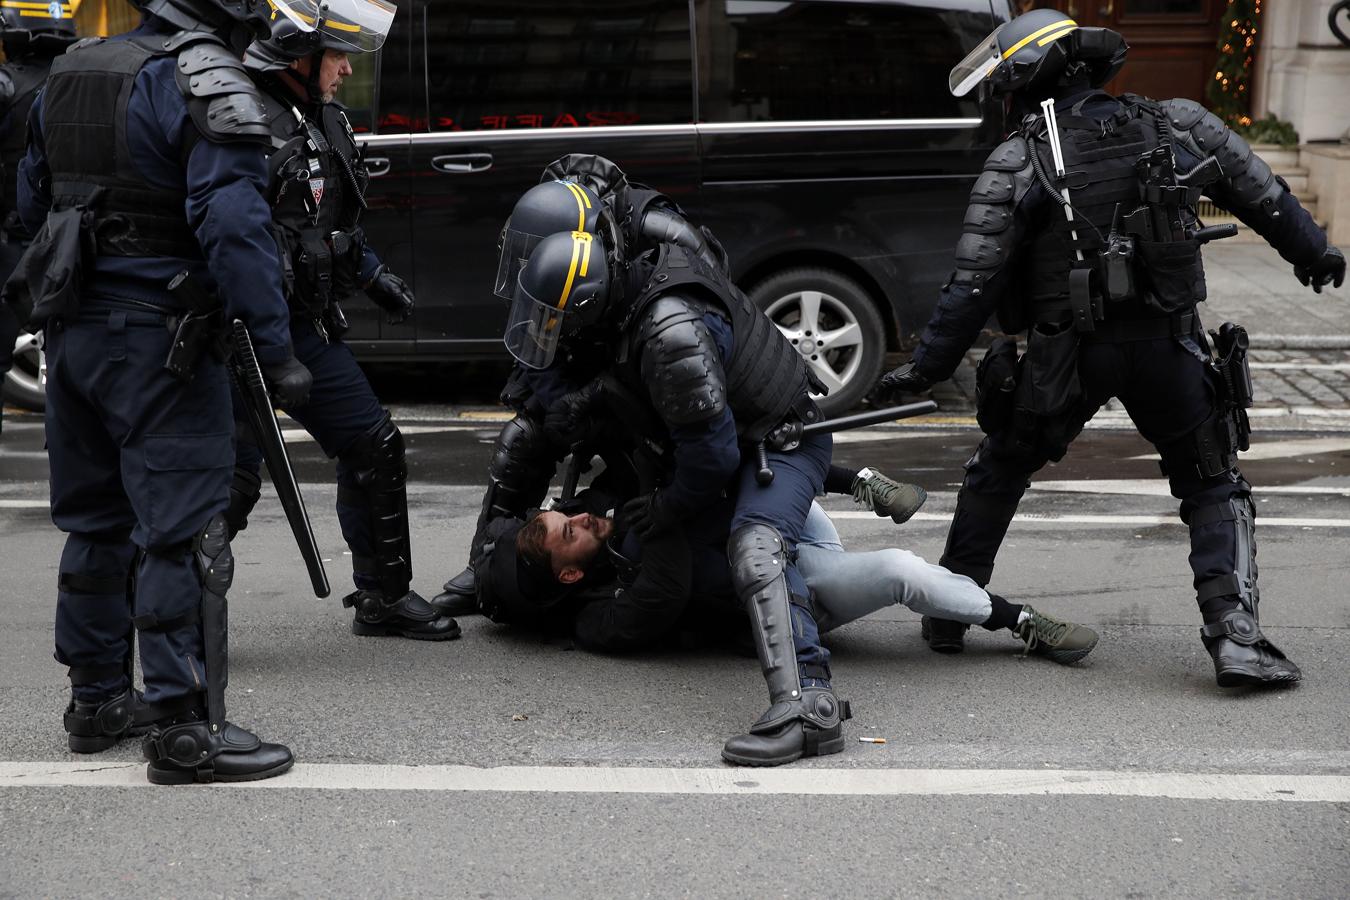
289	381
1330	269
647	515
392	295
567	420
901	380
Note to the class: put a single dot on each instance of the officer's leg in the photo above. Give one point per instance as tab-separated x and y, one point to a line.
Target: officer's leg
349	423
94	637
804	716
176	460
519	472
246	482
1200	461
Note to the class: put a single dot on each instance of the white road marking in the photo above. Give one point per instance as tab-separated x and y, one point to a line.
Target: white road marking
1284	449
812	781
1084	519
24	504
1286	366
1157	487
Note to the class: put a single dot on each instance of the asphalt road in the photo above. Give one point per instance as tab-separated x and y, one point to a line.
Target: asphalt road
506	765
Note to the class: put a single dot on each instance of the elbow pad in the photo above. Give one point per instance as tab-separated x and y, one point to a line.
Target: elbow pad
988	238
1247	184
680	363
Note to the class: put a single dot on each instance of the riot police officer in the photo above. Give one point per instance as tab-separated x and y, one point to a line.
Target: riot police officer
317	183
31	39
722	379
146	157
1082	229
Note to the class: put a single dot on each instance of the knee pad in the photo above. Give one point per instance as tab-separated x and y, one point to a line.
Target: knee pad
378	457
758	557
379	467
215	562
245	489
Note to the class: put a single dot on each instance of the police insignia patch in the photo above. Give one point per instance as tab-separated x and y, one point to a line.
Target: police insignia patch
316	188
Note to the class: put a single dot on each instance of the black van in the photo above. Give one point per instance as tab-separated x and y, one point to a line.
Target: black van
817	138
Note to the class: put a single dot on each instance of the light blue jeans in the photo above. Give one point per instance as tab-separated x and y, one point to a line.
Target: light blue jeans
848	585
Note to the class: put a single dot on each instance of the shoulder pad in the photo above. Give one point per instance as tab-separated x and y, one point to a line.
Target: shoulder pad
180	39
680	363
1183	114
225	104
1009	156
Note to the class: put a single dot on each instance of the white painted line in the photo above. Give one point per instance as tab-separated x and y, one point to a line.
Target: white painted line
25	504
626	780
1296	366
1084	519
1157	487
1284	449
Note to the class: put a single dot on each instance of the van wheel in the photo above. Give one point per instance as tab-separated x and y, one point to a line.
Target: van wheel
833	324
22	386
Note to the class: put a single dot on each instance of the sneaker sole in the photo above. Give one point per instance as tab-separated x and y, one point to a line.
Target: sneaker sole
825	748
365	630
1065	657
173	775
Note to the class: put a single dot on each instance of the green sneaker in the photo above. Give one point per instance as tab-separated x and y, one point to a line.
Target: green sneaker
1063	642
886	496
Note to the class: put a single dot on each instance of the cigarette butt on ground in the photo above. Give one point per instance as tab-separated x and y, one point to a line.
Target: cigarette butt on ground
871	740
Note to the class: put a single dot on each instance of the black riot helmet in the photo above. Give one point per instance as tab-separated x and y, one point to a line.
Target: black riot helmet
303	28
238	22
1037	51
547	208
563	289
27	29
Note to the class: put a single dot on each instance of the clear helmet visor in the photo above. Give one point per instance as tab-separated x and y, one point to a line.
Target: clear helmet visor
513	248
534	329
977	65
353	26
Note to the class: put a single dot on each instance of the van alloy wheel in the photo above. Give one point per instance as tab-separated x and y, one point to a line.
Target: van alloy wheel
22	383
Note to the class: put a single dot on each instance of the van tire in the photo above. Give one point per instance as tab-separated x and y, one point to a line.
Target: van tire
21	386
840	301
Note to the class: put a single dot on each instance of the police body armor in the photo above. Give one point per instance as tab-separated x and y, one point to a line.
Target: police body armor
767	379
26	78
316	189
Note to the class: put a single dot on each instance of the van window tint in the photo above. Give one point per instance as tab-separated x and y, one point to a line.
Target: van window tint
777	60
541	64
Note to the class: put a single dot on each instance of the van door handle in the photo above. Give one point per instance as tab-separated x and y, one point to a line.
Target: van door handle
462	163
377	166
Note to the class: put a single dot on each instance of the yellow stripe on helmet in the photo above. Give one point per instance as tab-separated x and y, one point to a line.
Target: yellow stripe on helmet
580	239
1051	38
583	203
1066	24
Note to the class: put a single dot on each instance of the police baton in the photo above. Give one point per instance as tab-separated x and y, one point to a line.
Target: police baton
844	423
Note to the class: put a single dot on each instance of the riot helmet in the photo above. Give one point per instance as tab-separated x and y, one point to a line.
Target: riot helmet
303	28
1037	51
546	208
236	21
564	288
25	29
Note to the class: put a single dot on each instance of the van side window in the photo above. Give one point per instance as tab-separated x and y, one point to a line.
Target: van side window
562	65
778	60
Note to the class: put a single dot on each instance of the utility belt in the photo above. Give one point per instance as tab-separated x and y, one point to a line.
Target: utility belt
198	328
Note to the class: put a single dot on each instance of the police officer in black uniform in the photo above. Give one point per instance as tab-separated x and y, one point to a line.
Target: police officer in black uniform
721	379
146	157
317	183
31	38
1083	230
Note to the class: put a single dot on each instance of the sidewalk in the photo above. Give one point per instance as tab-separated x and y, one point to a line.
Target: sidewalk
1300	342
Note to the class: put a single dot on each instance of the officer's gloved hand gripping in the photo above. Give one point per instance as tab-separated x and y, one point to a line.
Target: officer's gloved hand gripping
905	379
391	294
1329	269
289	381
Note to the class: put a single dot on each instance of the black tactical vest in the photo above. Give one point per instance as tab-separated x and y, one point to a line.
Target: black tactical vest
84	129
767	377
27	77
316	188
1099	165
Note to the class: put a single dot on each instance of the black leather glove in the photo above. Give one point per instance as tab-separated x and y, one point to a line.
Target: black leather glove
567	420
392	295
901	380
647	515
289	382
1330	269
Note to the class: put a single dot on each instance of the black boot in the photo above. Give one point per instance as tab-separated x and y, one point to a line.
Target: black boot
95	726
183	750
459	596
801	721
943	635
407	616
1243	656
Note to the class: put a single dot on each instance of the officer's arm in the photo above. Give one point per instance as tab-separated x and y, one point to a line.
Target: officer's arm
1003	202
34	195
682	361
370	265
639	615
226	185
1248	189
